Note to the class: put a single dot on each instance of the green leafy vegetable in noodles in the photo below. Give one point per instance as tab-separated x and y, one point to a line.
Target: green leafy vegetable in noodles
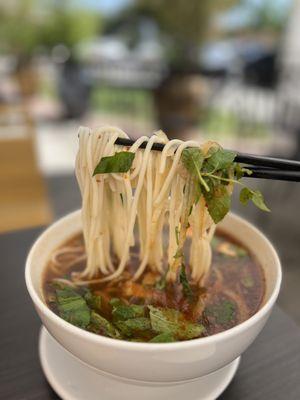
161	284
100	325
163	338
239	171
72	307
173	322
218	202
214	172
192	158
218	159
254	195
187	290
223	312
118	163
123	312
94	301
134	326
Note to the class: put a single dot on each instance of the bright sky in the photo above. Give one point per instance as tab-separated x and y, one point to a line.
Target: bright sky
112	6
105	6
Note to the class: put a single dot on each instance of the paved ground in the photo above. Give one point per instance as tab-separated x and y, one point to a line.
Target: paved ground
281	226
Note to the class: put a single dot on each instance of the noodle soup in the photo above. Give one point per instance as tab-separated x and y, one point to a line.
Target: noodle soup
151	309
147	266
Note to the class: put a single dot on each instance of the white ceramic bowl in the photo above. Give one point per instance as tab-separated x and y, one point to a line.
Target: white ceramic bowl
162	363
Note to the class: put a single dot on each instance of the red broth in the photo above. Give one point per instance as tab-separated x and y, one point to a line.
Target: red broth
232	293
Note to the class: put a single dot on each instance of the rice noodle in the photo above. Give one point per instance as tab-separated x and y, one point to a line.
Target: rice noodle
146	198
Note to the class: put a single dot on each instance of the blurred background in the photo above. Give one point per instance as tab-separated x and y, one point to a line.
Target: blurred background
227	70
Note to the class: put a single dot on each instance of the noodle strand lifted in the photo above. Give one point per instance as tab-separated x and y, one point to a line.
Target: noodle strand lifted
148	200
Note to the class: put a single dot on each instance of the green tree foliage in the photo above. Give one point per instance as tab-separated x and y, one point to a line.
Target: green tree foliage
268	16
26	25
183	26
69	25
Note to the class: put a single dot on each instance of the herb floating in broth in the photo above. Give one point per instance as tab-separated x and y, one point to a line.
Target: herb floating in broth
119	163
122	312
94	301
72	307
163	338
162	312
143	323
187	290
170	321
223	312
134	327
102	326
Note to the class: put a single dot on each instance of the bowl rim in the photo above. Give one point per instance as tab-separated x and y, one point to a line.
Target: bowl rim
150	347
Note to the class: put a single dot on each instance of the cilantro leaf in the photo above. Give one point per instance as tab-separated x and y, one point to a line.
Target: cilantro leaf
124	312
256	196
163	338
115	301
223	313
245	195
187	290
218	202
94	301
192	159
259	201
239	171
134	326
100	325
161	284
72	307
171	321
218	159
119	162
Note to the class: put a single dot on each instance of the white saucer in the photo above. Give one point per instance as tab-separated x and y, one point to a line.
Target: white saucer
73	380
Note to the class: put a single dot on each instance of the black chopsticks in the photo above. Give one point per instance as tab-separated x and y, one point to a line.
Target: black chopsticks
274	174
262	167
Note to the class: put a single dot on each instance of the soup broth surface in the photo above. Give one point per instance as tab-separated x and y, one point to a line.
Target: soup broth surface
150	309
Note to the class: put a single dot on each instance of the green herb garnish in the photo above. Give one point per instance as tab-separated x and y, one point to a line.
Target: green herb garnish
161	284
223	312
163	338
214	172
122	312
218	159
218	202
192	158
254	195
100	325
72	306
134	326
187	290
173	322
118	163
94	301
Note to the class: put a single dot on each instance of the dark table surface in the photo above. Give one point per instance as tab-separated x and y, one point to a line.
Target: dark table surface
270	368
